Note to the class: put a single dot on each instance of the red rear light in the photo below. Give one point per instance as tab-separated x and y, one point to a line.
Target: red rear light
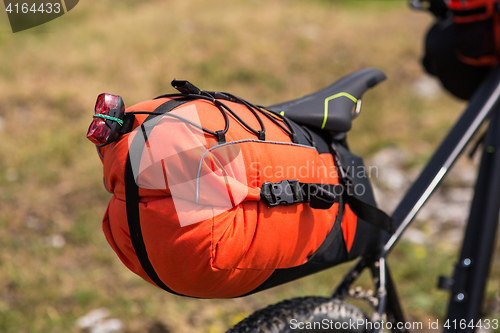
108	119
106	102
98	132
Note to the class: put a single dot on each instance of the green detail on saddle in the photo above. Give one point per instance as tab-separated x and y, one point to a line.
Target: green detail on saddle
341	94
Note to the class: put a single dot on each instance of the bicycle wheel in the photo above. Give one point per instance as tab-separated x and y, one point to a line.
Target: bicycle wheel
308	314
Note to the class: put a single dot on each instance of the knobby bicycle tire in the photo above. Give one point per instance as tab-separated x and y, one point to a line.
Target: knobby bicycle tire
308	314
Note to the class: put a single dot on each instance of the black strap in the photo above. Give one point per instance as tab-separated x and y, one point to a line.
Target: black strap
128	123
132	192
323	196
470	12
371	214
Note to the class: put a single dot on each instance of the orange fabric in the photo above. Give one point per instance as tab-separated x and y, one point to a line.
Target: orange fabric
207	233
486	9
349	224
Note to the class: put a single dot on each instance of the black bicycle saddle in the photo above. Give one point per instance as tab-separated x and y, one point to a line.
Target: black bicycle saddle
331	108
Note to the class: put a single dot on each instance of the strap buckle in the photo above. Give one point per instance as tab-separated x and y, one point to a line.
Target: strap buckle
285	192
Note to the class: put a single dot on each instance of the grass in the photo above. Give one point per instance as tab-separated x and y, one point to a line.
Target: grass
267	52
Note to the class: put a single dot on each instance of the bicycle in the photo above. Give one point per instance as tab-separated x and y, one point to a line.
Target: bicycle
467	286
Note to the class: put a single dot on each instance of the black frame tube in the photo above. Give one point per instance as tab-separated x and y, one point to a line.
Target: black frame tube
480	107
482	225
472	270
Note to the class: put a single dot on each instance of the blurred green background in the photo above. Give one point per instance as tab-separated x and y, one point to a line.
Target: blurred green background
55	264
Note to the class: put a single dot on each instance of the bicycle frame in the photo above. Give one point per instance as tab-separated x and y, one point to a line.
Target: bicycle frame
468	283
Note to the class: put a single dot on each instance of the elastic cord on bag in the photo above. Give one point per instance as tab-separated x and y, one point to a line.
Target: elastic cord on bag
215	97
118	120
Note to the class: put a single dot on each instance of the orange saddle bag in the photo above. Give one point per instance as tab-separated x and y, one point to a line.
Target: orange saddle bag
214	197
